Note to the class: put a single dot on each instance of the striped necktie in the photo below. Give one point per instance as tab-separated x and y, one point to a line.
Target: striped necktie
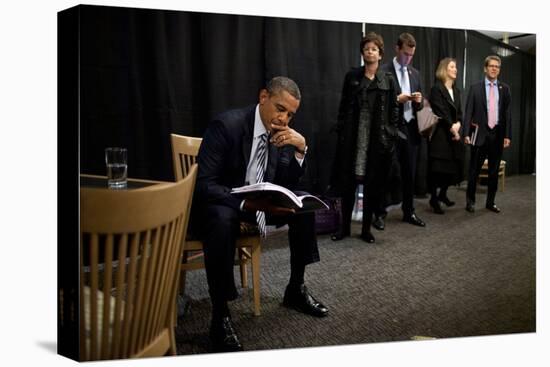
260	171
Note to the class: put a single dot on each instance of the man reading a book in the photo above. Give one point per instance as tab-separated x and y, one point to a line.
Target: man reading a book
241	147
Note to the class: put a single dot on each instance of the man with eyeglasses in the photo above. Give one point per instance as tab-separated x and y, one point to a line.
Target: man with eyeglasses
410	102
488	128
247	146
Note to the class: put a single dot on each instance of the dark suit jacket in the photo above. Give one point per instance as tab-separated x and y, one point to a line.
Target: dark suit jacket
224	155
416	86
441	144
476	112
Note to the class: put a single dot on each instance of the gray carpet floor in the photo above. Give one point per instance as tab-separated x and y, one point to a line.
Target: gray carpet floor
462	275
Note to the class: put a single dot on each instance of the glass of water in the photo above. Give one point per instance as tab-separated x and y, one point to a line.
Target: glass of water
117	168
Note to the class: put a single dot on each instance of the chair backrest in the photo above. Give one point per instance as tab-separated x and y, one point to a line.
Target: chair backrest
184	153
130	254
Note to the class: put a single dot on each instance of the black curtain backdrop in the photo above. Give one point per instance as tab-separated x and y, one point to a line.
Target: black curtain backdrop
147	73
317	55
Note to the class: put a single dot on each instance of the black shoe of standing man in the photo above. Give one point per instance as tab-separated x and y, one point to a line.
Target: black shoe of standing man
379	223
493	208
223	336
413	219
301	300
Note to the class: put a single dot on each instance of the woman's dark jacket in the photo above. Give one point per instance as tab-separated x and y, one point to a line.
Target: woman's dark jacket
441	145
382	127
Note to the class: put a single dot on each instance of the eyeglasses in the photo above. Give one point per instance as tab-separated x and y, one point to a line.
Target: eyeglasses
494	66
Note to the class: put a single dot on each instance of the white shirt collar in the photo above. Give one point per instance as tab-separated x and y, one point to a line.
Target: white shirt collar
259	128
396	64
487	81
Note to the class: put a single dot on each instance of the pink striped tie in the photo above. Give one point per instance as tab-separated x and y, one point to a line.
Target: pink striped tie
492	106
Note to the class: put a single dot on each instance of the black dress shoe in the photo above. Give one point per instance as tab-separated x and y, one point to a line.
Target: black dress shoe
493	208
470	207
436	207
413	219
338	236
367	237
379	223
223	336
301	300
445	200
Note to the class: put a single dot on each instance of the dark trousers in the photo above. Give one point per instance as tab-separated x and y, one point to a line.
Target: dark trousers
441	181
374	190
492	151
220	229
348	201
378	172
407	152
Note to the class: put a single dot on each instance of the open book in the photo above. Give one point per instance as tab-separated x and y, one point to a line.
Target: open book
280	196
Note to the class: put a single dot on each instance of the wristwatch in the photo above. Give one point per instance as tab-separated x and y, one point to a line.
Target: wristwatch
303	152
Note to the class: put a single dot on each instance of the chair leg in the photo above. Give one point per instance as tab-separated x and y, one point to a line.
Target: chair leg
172	351
183	273
242	266
256	252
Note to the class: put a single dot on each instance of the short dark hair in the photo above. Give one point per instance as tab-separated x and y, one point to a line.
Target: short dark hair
376	39
406	39
282	83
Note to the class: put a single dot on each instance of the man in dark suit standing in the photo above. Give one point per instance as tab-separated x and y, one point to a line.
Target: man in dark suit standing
409	97
246	146
488	128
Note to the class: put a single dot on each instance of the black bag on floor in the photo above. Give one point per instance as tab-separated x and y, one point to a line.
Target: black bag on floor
329	220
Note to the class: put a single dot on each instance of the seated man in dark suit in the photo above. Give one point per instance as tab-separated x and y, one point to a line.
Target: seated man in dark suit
246	146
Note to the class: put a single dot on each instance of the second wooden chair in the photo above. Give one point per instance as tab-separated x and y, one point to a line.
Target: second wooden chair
184	153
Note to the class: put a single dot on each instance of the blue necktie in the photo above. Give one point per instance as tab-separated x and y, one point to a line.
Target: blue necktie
260	170
406	88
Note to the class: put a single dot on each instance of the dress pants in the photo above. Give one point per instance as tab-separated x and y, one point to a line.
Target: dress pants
378	172
407	152
220	226
492	151
348	202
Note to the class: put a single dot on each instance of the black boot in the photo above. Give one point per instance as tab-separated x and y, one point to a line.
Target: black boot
444	198
434	203
366	234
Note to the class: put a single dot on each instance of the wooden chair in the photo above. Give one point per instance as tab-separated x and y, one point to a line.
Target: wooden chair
130	252
484	173
184	153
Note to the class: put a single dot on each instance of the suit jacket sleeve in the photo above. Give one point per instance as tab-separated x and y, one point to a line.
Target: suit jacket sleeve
458	104
508	113
345	101
418	106
215	151
468	112
288	171
440	108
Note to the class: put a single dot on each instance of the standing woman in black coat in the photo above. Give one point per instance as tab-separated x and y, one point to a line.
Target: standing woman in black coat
367	135
445	149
